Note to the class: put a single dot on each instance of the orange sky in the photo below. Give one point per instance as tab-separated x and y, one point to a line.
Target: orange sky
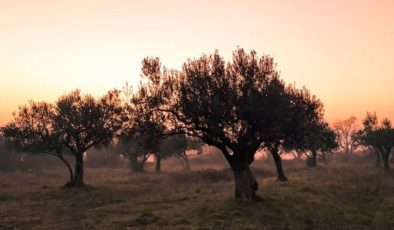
343	51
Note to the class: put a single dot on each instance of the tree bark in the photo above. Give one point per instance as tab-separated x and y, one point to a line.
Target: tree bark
279	168
245	185
385	158
158	164
378	163
186	161
69	170
78	172
311	161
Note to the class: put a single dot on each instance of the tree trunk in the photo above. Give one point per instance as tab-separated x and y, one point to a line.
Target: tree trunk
279	168
187	167
378	163
178	156
311	161
324	157
136	166
133	163
245	185
71	182
385	158
78	172
158	164
141	164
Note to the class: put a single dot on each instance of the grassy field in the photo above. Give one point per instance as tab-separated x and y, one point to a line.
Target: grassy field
335	196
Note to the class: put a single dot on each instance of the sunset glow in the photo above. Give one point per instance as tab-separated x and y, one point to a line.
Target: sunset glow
342	51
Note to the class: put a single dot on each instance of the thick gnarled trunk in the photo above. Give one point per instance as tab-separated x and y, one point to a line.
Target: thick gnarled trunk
245	185
244	181
279	168
78	172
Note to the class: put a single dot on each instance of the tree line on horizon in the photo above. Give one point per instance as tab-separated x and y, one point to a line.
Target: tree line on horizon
240	107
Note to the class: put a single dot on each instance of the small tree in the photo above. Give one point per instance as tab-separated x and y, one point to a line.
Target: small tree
32	131
294	114
378	136
370	123
346	131
84	122
320	138
137	153
141	135
176	146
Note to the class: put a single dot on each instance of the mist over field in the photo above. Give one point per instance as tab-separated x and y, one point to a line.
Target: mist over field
341	193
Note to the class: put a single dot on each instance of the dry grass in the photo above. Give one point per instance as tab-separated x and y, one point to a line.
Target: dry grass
337	196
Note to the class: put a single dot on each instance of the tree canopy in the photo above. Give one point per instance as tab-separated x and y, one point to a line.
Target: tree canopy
237	106
379	136
72	125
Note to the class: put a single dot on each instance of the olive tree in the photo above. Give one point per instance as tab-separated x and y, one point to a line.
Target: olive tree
319	138
379	136
32	131
141	134
231	106
291	117
73	125
177	146
83	122
346	132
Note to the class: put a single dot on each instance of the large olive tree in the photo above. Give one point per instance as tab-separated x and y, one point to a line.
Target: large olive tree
233	106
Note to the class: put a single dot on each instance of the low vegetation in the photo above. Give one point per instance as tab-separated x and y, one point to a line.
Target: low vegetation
333	196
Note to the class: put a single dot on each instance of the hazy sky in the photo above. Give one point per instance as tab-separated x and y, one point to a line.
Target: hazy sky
342	51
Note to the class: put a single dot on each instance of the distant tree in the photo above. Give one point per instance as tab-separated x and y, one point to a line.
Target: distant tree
370	123
137	153
141	135
195	144
346	131
230	106
152	141
320	138
177	146
32	131
378	136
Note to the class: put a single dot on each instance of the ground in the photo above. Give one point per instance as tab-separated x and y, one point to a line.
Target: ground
333	196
